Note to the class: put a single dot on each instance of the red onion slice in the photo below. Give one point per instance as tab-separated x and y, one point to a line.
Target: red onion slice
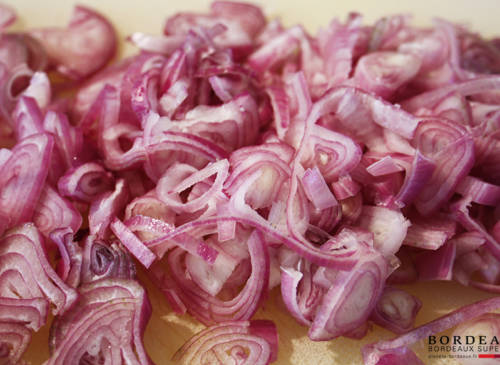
396	310
101	260
345	305
22	178
220	168
436	265
39	89
26	273
317	191
82	48
386	165
243	342
416	178
85	182
209	309
106	323
104	209
14	340
27	118
389	228
452	149
132	243
382	73
480	191
53	212
70	266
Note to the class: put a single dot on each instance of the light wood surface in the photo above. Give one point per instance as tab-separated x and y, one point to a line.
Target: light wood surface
166	332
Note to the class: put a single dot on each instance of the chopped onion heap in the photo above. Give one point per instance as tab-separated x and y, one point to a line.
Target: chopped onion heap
231	155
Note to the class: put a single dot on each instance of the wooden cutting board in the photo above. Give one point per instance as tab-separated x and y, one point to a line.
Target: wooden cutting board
166	332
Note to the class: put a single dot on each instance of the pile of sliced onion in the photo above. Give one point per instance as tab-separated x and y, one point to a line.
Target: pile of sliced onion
232	155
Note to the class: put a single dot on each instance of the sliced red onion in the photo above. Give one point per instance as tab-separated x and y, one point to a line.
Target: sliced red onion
333	153
280	104
396	310
231	125
149	205
156	44
384	72
219	30
389	228
26	273
396	350
39	89
249	16
298	91
460	211
243	342
171	196
465	88
68	142
70	265
30	312
236	147
4	156
271	160
345	187
108	133
53	212
209	309
436	265
156	228
317	190
101	260
386	165
170	147
132	243
416	178
91	88
275	50
356	109
104	209
211	277
429	233
452	149
467	242
14	340
144	93
300	293
85	182
106	324
27	118
22	178
82	48
338	44
480	191
345	306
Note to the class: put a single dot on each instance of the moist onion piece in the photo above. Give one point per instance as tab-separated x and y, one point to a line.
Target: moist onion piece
107	323
396	310
82	48
246	342
22	178
26	272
